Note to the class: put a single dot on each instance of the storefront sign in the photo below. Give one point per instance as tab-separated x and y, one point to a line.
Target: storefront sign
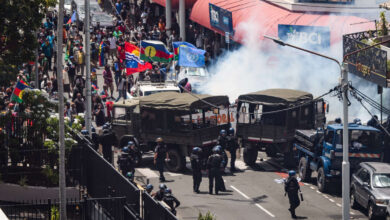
310	37
220	18
370	64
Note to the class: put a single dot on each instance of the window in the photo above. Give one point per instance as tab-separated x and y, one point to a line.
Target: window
381	180
329	137
364	176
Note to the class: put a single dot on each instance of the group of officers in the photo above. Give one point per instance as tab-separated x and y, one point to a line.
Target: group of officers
215	165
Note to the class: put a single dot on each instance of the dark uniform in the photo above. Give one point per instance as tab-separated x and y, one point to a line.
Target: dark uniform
232	146
291	187
159	195
223	142
95	140
126	163
214	165
172	202
107	140
161	151
196	165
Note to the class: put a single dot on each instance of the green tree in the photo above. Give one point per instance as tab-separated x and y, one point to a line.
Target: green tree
19	20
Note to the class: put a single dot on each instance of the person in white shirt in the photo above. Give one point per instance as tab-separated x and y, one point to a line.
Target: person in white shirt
112	41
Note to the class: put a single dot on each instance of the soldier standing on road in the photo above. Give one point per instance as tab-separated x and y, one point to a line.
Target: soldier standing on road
223	141
196	164
160	154
232	146
171	201
291	187
214	167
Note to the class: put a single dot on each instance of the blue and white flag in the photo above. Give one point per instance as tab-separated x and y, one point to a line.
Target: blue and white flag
191	57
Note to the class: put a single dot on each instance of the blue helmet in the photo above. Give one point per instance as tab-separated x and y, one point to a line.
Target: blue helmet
162	186
130	143
84	132
196	150
291	173
217	149
168	191
222	132
125	149
231	131
105	126
130	175
93	129
149	187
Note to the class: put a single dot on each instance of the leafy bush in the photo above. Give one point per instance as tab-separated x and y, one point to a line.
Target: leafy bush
208	216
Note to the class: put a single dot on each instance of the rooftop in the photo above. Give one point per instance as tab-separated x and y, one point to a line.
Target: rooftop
378	167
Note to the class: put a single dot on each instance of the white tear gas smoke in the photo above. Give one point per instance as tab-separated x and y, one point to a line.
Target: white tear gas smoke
251	68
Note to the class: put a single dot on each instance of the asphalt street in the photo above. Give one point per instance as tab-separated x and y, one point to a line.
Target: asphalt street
253	193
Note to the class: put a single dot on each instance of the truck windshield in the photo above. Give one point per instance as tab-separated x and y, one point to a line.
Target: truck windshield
381	180
360	139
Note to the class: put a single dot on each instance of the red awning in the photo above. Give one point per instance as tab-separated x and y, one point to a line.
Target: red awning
268	16
175	3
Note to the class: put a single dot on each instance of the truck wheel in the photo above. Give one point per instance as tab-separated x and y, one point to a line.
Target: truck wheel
176	161
289	161
250	155
304	170
321	180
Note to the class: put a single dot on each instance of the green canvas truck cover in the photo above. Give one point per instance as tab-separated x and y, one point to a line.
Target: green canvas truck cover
276	97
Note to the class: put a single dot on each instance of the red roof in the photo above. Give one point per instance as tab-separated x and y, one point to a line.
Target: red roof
268	16
175	3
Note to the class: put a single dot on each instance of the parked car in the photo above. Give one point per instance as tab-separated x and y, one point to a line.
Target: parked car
105	20
370	188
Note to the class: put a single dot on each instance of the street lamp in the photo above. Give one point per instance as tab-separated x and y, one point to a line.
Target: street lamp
344	85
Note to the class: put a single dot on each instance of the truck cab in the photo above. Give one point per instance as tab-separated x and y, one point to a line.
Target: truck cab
321	151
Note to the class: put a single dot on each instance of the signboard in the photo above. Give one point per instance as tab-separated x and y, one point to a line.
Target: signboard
311	37
220	18
370	64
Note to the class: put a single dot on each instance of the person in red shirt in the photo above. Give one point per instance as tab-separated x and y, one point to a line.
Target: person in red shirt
121	53
109	105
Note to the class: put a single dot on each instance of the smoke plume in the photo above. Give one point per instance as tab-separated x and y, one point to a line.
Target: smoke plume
261	64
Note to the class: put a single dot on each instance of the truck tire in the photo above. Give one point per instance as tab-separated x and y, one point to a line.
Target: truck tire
176	161
353	203
250	155
270	151
304	170
321	180
288	159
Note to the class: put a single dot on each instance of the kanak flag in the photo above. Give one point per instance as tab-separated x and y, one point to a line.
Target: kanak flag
133	62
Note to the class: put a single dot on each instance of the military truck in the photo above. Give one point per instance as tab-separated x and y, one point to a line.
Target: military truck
182	120
264	124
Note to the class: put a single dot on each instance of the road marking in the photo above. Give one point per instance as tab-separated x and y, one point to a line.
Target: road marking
174	174
147	172
305	184
318	192
258	205
338	204
331	200
326	197
352	213
312	187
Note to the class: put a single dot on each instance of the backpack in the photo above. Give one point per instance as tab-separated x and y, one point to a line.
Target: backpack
80	57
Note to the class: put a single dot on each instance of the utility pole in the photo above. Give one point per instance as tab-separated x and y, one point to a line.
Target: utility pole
88	117
182	18
345	167
168	16
36	63
62	182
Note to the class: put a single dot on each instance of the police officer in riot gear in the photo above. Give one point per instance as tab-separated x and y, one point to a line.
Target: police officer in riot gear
232	146
214	167
160	155
159	195
95	138
291	187
223	142
171	201
196	165
149	188
107	140
125	162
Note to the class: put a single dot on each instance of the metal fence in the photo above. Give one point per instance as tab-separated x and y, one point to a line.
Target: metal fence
85	209
153	210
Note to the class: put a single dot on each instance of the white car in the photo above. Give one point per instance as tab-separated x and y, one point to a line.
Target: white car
145	88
